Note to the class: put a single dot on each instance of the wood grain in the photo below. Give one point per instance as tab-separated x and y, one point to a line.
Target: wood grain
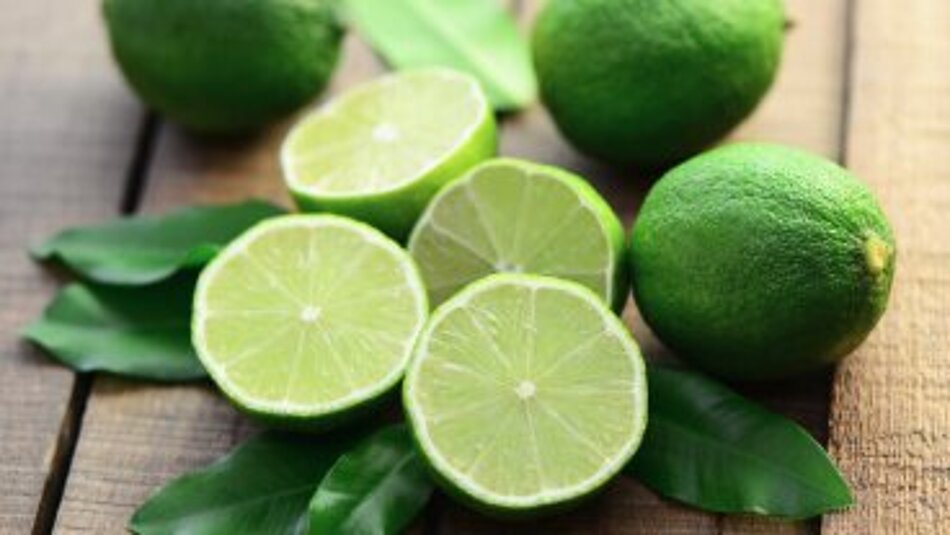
136	436
890	418
67	131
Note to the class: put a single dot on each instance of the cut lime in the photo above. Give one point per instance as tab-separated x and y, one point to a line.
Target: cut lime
305	317
379	152
514	216
525	393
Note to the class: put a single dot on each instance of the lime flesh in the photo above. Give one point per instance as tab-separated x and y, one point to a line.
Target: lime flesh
304	318
525	393
379	152
514	216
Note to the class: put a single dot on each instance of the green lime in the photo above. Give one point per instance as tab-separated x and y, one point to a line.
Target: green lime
515	216
224	65
648	83
525	394
304	318
758	261
379	152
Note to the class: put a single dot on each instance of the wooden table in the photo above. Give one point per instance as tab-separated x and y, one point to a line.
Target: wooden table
864	82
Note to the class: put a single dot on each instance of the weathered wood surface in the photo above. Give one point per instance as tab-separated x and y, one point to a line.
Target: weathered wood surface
67	128
890	418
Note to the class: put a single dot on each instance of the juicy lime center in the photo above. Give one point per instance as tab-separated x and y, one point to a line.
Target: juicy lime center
526	390
310	314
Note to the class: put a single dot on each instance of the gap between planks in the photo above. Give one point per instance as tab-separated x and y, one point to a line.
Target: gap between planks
82	386
890	417
64	144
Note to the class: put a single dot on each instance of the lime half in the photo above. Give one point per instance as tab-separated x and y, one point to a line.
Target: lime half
515	216
525	393
379	152
304	318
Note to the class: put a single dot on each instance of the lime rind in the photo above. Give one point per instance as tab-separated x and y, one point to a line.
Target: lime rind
474	92
394	206
615	278
311	414
552	499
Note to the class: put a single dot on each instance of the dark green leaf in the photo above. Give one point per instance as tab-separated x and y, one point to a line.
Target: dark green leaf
711	448
475	36
375	489
140	331
143	250
262	486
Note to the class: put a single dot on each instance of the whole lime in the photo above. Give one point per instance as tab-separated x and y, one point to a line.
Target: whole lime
757	261
224	65
648	83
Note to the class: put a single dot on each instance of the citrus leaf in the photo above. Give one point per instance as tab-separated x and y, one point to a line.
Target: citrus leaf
711	448
262	486
146	249
475	36
375	489
135	331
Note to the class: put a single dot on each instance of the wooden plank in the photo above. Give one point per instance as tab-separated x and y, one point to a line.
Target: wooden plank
890	418
803	109
67	131
137	436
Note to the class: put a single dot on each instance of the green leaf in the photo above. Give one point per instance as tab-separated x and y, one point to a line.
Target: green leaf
146	249
262	486
141	332
711	448
475	36
375	489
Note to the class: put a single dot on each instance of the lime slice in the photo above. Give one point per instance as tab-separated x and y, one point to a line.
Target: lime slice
525	393
306	317
379	152
514	216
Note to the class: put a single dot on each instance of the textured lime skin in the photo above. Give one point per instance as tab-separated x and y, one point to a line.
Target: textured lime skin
759	262
639	82
224	66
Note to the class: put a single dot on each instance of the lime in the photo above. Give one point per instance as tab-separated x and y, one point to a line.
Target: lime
647	83
305	317
759	262
381	151
525	393
224	65
515	216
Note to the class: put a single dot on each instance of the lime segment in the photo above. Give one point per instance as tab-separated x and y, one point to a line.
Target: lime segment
380	151
305	317
514	216
526	392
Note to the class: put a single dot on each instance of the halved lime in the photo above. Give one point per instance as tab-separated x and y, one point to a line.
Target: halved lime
379	152
514	216
305	317
525	393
